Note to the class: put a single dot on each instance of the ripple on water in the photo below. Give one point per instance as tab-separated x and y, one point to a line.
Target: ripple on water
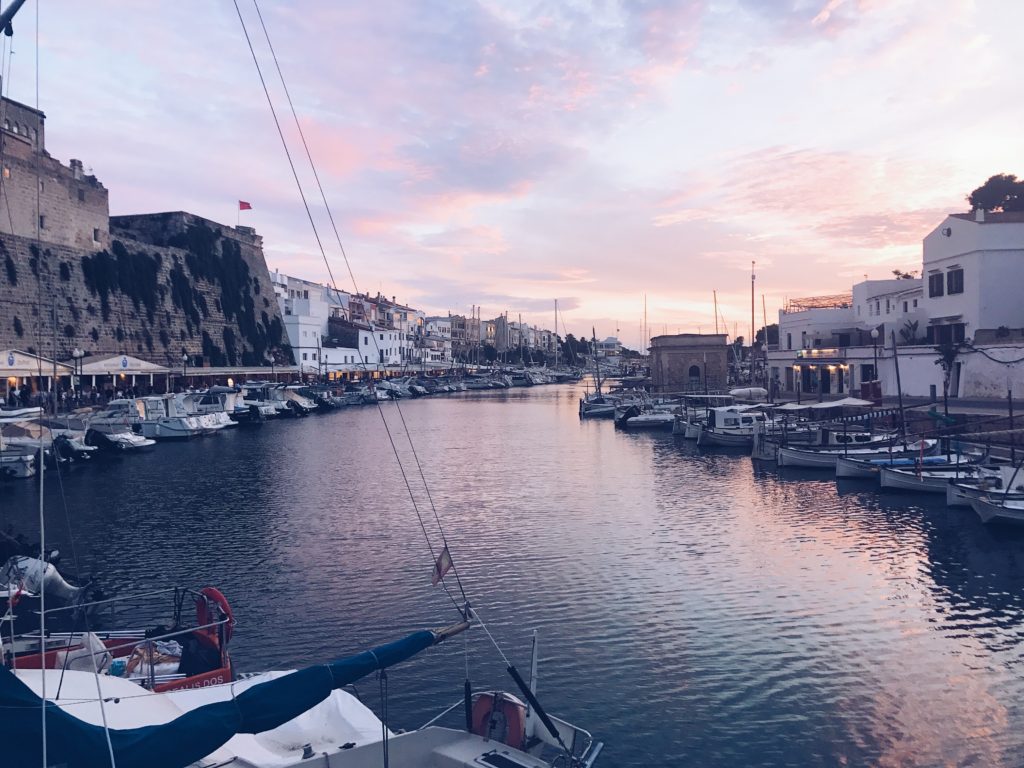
692	609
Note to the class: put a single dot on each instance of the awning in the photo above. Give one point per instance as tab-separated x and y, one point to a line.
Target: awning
791	407
14	362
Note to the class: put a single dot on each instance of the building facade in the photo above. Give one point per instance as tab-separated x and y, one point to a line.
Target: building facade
689	362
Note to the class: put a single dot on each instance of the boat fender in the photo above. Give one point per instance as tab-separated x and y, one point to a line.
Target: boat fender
204	615
500	717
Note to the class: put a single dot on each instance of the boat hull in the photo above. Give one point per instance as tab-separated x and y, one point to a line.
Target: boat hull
993	512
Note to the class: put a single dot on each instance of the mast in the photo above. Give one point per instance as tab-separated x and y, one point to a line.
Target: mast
556	333
714	295
593	351
752	322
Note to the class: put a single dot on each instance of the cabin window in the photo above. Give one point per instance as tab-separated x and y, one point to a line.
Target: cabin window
955	281
747	420
935	283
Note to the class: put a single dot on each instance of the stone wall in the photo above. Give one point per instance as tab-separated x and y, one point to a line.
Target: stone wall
168	284
680	362
68	206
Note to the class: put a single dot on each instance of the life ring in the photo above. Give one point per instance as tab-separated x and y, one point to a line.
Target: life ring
500	717
209	595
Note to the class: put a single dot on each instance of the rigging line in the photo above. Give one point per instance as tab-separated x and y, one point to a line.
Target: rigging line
355	287
3	116
41	459
280	132
331	272
309	155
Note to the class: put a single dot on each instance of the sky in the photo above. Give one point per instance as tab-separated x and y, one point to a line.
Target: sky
505	154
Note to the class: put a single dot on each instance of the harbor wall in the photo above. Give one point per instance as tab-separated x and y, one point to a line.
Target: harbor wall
168	284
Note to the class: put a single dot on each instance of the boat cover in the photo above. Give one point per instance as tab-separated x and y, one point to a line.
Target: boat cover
193	735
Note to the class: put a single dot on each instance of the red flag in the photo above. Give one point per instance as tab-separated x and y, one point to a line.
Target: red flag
244	206
442	566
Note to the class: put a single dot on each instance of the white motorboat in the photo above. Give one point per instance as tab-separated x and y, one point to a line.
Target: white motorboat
730	426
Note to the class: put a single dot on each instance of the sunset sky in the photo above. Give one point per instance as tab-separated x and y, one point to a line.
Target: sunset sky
506	154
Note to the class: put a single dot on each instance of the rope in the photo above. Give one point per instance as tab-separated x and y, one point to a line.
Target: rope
334	285
464	611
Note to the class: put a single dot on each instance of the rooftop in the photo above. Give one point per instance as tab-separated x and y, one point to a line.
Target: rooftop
834	301
992	217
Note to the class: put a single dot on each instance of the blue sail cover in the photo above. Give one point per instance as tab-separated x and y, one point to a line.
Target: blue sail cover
188	738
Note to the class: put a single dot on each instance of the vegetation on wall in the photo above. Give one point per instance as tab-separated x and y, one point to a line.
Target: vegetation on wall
12	270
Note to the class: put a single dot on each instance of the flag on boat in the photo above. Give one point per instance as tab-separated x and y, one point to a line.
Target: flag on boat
442	566
244	206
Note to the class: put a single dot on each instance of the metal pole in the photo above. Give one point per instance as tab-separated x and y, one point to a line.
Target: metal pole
899	388
1013	437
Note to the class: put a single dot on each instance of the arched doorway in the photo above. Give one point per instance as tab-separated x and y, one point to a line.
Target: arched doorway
694	376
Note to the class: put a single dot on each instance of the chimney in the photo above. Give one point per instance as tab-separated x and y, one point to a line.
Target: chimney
76	169
979	215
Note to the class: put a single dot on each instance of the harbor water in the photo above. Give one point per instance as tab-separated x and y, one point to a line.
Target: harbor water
691	608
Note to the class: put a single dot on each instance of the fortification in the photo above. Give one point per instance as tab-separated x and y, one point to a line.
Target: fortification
156	286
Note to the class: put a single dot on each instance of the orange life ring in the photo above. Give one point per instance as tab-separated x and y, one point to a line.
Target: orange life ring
203	613
500	717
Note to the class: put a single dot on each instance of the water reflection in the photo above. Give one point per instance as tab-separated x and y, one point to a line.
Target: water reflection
693	607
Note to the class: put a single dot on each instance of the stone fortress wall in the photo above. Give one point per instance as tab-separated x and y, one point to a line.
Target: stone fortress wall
155	286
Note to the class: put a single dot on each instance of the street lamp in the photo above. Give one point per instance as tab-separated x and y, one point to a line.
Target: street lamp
77	355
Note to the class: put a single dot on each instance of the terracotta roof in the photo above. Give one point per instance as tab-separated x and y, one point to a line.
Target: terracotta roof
1004	217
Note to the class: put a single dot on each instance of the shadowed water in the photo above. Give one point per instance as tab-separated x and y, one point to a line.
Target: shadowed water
692	609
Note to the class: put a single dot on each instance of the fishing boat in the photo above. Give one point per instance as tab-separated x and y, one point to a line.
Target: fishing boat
996	483
999	511
924	478
826	458
868	469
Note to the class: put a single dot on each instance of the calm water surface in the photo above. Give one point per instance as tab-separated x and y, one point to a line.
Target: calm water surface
692	609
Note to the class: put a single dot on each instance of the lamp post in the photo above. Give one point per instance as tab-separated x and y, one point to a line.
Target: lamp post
77	355
184	370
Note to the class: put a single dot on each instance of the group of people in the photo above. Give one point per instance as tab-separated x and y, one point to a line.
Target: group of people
23	397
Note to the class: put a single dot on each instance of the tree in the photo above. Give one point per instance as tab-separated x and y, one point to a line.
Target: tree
1002	192
490	353
773	334
899	274
908	333
948	351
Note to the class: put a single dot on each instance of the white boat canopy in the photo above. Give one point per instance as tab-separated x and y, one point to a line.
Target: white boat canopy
846	402
792	407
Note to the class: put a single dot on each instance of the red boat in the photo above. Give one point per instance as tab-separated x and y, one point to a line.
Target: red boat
185	655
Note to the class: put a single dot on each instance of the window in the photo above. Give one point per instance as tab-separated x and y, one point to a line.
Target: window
915	303
96	234
16	128
887	306
81	195
955	281
858	310
904	306
382	337
305	356
878	307
42	221
7	125
305	294
935	285
366	340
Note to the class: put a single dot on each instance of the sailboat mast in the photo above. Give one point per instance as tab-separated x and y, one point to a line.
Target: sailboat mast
714	295
556	333
593	351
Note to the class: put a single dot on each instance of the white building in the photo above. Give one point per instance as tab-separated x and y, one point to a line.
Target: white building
610	347
968	296
438	339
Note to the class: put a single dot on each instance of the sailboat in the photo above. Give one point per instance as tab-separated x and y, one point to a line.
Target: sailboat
74	714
